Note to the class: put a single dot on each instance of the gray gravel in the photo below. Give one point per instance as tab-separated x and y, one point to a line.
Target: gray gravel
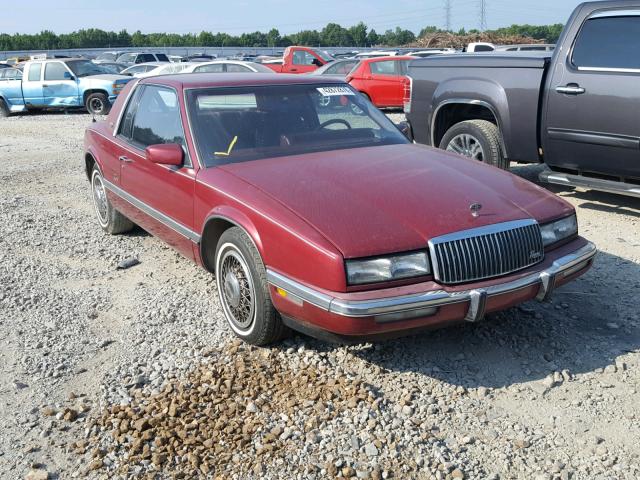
543	391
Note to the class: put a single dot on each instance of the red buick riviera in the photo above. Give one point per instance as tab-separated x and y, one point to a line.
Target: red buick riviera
321	216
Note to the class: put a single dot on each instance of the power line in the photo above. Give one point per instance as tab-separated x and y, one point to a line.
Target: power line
483	15
447	13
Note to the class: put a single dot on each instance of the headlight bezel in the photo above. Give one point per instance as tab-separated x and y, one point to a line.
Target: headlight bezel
558	231
353	266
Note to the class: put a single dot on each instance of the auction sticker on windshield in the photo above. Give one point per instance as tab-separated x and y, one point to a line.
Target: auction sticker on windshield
335	91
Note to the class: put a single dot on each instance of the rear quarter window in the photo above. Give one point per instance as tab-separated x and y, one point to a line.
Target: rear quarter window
383	68
34	72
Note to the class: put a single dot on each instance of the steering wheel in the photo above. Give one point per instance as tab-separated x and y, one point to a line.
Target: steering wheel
335	121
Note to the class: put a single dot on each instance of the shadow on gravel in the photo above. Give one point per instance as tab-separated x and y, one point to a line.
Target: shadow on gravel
586	326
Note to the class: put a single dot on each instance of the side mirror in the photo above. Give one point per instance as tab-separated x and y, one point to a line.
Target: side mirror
317	62
405	128
165	154
68	76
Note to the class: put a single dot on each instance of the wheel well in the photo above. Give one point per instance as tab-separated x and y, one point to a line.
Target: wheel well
89	162
89	92
454	113
213	230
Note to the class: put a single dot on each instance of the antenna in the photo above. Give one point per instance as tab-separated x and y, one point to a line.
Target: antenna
483	15
447	12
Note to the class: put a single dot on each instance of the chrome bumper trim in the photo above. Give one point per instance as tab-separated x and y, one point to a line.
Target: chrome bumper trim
435	298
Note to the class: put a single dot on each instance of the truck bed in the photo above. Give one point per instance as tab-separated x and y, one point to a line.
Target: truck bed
507	84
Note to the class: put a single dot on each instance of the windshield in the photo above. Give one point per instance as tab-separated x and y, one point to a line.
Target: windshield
324	55
241	124
85	68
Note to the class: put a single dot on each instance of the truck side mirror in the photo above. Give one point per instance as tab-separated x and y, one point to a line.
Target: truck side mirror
68	76
317	62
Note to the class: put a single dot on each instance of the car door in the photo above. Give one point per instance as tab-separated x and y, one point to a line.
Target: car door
384	82
162	195
11	86
302	62
592	110
60	87
32	85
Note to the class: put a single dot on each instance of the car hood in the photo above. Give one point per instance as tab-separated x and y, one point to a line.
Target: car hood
384	199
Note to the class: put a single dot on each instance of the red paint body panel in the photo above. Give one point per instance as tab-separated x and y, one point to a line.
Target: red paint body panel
288	65
383	90
307	213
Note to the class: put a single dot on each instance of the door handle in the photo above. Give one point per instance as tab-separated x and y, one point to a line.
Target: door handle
45	85
293	69
571	89
125	159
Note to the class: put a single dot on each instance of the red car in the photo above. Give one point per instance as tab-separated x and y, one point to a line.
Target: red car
382	79
321	219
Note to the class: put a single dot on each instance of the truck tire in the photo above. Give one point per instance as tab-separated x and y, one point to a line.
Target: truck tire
97	104
4	109
243	290
110	219
477	139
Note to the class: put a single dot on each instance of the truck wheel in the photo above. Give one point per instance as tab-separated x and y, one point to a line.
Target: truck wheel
97	104
110	219
4	109
476	139
243	290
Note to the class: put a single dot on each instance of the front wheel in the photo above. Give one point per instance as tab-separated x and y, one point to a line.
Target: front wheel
243	290
476	139
97	104
111	220
4	109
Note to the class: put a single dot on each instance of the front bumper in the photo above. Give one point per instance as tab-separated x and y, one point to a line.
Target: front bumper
347	314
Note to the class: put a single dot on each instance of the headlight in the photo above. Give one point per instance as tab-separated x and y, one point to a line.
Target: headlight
560	229
392	267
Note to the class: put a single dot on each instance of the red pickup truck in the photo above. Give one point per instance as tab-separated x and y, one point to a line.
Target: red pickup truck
300	60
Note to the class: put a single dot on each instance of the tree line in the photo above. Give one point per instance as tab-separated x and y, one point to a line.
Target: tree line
332	35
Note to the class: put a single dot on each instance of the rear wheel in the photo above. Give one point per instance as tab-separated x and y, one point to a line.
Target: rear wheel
4	109
111	220
243	290
476	139
97	104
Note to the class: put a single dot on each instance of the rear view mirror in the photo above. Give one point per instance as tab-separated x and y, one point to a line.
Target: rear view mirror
165	154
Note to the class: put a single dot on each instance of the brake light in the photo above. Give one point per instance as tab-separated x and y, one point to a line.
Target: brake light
408	87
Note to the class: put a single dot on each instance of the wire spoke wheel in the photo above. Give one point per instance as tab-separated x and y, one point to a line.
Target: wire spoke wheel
237	291
467	145
100	199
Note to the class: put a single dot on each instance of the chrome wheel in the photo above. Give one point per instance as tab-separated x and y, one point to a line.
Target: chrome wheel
100	199
467	145
236	289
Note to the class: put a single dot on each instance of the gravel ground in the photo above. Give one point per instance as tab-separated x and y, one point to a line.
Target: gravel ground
108	373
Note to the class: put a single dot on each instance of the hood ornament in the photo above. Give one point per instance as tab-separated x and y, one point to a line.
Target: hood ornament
475	209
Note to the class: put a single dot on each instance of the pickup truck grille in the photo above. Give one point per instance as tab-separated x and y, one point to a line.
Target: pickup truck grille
486	252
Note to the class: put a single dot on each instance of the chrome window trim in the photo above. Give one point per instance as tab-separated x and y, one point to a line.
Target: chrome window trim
476	232
152	212
607	69
468	101
435	298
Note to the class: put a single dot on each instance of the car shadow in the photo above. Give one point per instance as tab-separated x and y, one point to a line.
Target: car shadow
586	326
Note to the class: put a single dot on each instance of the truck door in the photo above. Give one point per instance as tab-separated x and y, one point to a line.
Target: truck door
60	87
592	114
301	62
32	85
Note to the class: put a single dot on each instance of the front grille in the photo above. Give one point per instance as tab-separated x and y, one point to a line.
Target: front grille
486	252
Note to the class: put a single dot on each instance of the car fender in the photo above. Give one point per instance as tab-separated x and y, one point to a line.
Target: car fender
237	218
473	90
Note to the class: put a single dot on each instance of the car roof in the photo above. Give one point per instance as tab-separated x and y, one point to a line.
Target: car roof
204	80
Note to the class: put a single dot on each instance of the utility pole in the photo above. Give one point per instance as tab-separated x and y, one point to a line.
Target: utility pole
483	15
447	12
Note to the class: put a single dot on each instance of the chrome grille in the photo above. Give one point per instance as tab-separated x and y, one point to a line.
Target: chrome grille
486	252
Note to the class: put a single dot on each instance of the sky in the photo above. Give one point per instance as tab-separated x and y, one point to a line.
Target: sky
289	16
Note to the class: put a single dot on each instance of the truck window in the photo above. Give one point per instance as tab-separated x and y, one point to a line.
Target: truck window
162	57
300	57
608	42
145	57
54	71
383	68
34	72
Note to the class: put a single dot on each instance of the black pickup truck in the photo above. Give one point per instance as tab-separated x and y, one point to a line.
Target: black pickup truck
577	110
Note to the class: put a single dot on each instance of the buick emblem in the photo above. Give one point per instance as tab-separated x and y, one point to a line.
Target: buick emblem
475	209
